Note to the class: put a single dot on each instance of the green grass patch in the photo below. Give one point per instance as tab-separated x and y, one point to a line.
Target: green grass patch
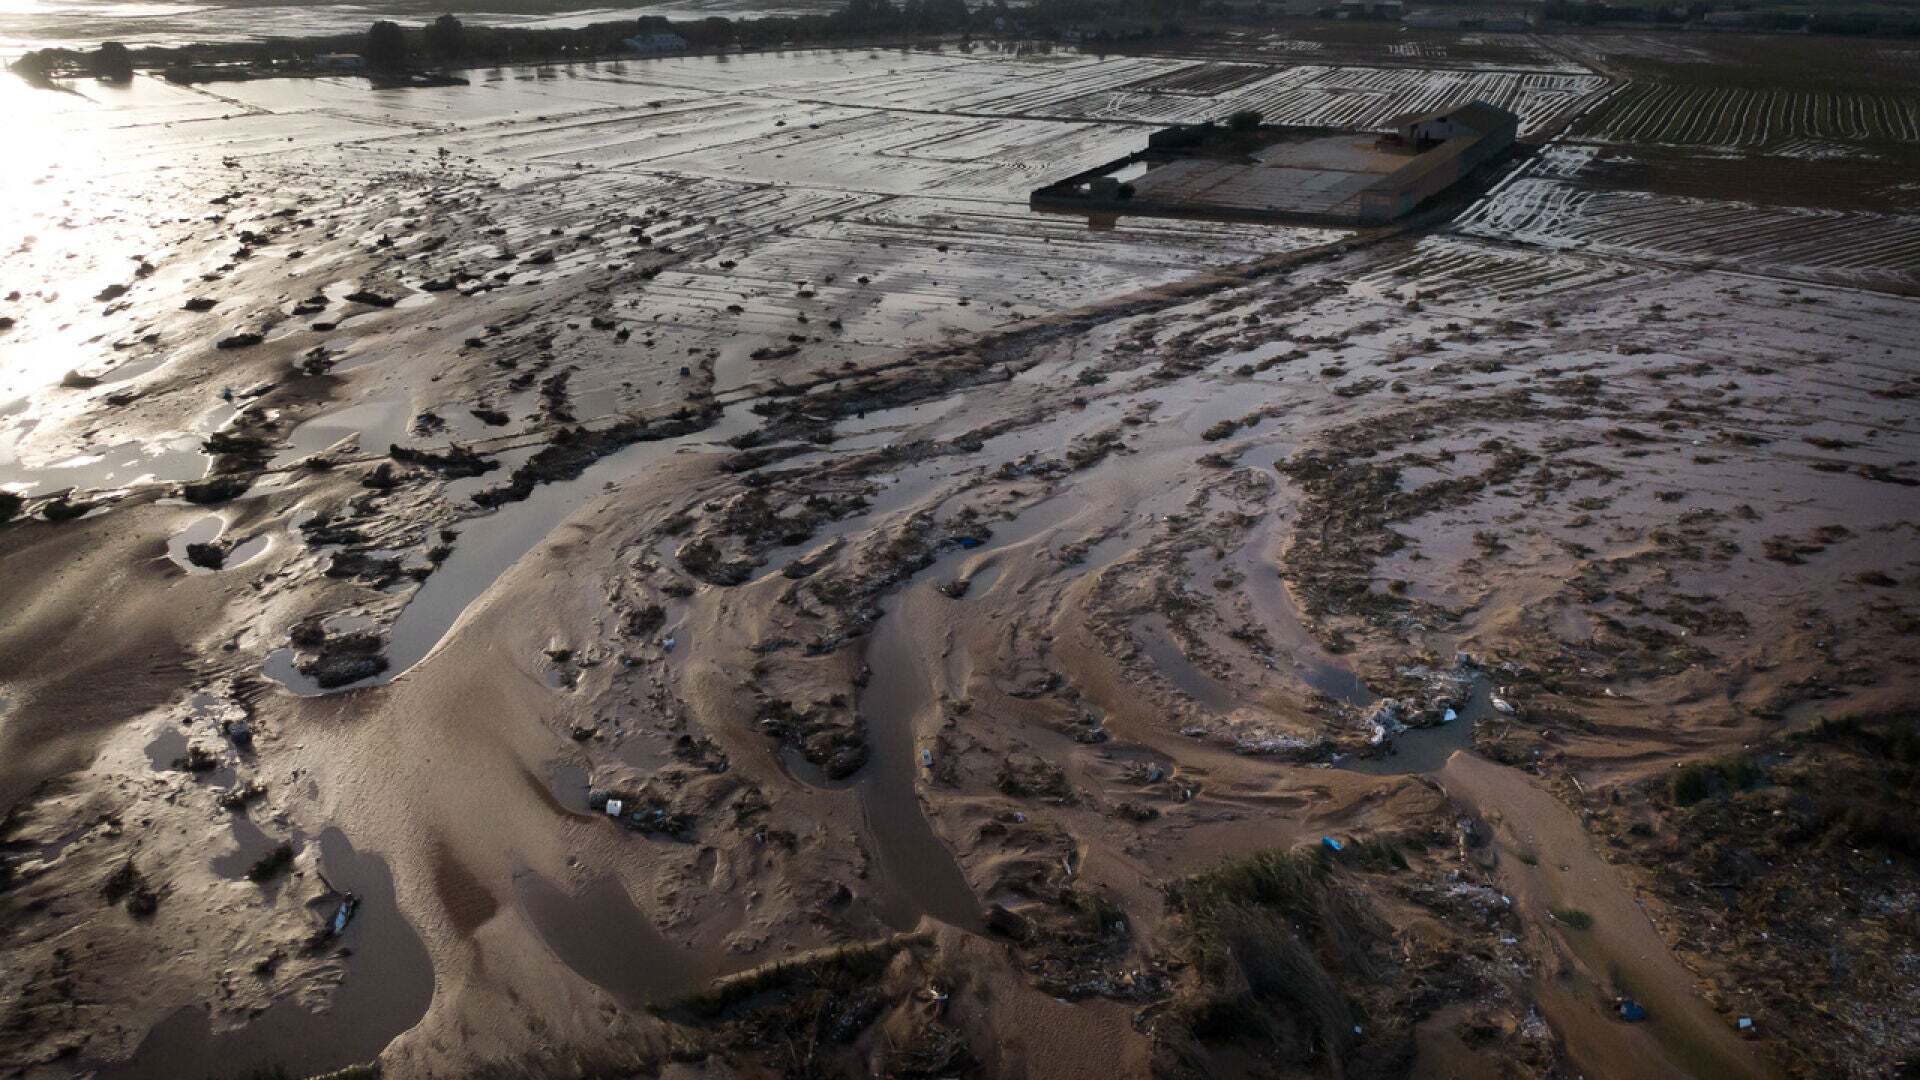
1573	918
1699	780
1275	938
839	969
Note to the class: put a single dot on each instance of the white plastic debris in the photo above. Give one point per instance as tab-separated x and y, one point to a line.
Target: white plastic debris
614	806
1501	705
1449	716
926	759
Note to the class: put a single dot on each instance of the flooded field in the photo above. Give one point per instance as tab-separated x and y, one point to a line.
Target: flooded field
644	563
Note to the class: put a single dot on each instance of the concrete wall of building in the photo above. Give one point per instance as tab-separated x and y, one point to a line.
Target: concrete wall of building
1399	193
1393	196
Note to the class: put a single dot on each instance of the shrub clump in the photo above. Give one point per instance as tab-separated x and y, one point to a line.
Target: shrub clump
1271	939
1699	780
1573	918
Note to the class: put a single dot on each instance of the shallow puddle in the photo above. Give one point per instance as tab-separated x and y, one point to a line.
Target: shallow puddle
919	873
386	987
491	544
167	745
1423	750
250	843
119	465
569	784
605	939
205	531
374	425
1156	640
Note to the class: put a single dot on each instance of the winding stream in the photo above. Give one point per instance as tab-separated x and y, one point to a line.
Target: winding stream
490	545
919	872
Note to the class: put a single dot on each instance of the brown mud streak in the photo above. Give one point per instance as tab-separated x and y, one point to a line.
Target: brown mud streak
1621	952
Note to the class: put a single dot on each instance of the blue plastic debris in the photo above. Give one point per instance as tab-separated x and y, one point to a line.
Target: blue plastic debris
1632	1011
344	913
970	541
1332	845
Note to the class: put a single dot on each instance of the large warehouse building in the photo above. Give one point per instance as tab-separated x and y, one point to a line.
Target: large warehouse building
1313	175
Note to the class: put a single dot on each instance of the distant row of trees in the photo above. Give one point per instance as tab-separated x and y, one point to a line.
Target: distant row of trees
390	48
111	62
386	48
1876	22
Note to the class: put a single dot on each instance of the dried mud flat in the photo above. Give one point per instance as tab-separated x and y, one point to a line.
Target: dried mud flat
669	569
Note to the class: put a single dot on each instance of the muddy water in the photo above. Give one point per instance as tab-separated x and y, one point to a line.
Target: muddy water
1547	860
375	425
899	703
605	939
920	874
119	465
387	985
167	744
205	531
250	843
569	785
490	545
1156	640
1275	605
1423	750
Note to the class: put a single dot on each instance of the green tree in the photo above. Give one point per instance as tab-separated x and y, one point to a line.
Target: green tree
386	48
36	67
111	62
949	14
447	39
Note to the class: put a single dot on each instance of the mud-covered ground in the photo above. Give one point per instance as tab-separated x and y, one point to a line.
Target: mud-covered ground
670	569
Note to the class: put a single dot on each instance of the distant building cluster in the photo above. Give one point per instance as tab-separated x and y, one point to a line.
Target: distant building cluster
658	44
1515	20
1507	20
1389	10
